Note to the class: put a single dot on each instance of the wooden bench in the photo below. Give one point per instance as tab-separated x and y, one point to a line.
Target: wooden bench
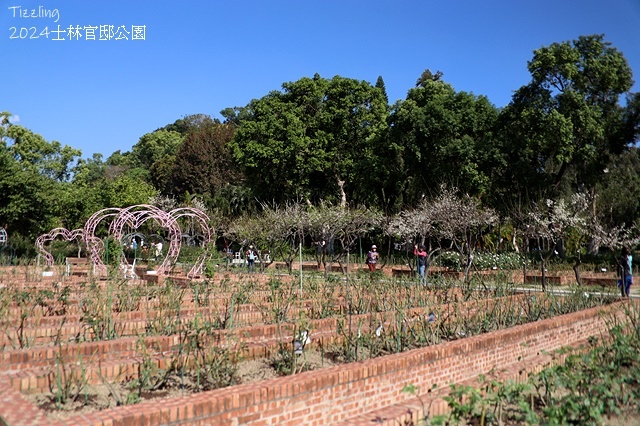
80	266
401	271
551	279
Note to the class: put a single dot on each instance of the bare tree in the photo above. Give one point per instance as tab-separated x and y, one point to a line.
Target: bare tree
324	222
415	226
337	224
615	239
357	222
249	230
462	220
285	229
549	223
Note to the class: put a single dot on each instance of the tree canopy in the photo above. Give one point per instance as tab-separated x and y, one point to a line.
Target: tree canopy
563	127
313	140
573	128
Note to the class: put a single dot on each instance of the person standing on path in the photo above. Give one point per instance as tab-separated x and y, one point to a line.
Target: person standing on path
625	269
421	255
251	259
372	258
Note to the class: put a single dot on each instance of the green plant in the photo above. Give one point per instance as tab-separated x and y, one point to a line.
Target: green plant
164	318
201	355
279	301
589	388
127	297
97	312
290	358
17	329
69	381
412	389
123	395
323	292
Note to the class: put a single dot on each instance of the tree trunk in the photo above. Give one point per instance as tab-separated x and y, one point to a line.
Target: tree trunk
343	195
576	270
544	273
560	249
467	268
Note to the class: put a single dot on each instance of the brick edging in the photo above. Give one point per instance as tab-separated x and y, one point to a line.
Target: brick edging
337	393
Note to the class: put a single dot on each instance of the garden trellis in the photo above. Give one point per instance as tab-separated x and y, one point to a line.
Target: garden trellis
132	218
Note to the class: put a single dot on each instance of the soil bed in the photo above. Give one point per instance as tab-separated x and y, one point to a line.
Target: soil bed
101	397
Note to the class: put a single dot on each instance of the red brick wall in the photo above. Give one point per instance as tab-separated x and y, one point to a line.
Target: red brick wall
338	393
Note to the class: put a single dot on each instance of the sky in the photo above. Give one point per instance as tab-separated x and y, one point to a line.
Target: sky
168	59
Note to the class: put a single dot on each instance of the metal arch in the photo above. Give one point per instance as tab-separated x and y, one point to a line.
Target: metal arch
128	239
66	234
193	240
156	237
128	216
136	216
207	235
95	246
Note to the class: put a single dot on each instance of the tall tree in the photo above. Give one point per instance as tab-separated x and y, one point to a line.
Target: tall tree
153	147
445	136
28	200
203	162
33	176
560	129
427	76
315	139
188	123
618	190
33	152
380	85
126	190
155	152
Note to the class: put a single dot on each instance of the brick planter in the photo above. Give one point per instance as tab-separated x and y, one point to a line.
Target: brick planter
342	392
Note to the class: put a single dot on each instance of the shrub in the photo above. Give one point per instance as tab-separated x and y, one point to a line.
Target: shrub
502	261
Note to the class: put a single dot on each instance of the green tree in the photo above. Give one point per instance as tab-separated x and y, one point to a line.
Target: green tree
155	152
33	177
618	190
153	147
445	136
90	170
559	130
126	190
203	162
315	139
97	185
33	152
427	76
28	200
81	197
380	85
188	123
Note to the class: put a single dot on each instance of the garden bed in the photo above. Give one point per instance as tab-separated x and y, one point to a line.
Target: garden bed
198	336
348	391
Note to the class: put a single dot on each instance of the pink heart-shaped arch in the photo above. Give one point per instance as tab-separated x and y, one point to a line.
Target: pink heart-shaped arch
52	235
